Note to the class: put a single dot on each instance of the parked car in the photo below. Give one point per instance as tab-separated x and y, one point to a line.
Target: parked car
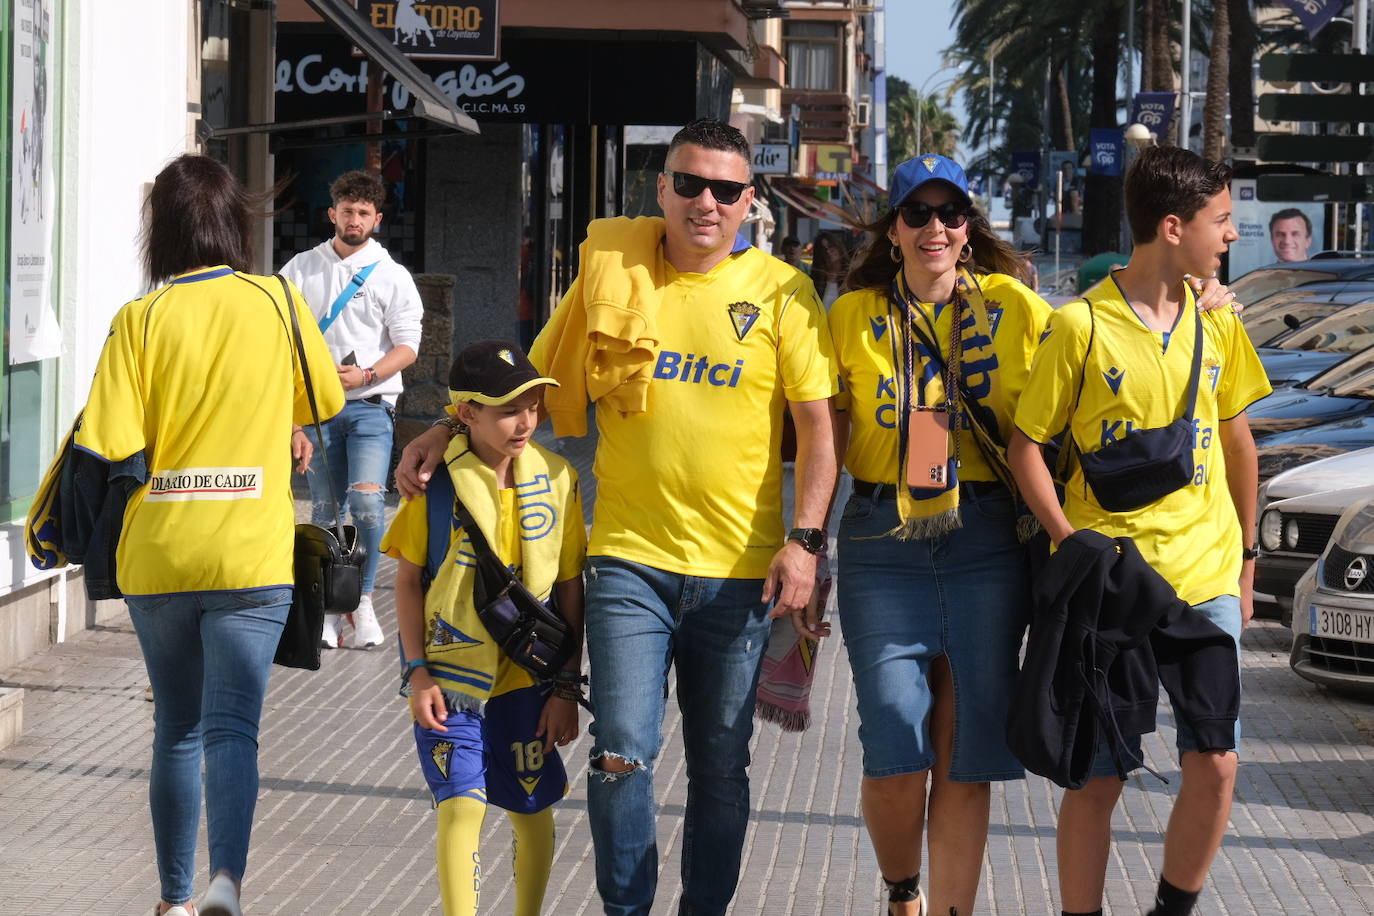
1254	286
1340	392
1312	346
1333	619
1292	534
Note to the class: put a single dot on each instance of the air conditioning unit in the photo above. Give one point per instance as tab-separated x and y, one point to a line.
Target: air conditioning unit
863	112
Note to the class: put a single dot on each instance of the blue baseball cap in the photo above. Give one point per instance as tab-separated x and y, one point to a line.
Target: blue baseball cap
913	173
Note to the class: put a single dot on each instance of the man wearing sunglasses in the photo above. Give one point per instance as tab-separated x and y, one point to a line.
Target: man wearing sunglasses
688	549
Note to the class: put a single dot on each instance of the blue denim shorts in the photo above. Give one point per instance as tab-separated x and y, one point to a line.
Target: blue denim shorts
1225	613
902	604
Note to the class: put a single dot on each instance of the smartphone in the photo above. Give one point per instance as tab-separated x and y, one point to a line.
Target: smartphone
350	360
927	449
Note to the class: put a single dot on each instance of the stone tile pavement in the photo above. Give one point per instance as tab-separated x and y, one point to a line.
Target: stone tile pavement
344	824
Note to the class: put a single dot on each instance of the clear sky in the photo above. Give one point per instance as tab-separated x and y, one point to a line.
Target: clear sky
917	32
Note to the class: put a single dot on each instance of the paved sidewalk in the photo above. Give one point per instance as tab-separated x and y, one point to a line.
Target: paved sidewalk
344	824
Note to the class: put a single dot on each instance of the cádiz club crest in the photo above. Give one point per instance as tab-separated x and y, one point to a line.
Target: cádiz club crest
742	317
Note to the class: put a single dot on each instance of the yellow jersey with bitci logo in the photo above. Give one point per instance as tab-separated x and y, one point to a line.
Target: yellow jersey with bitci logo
693	484
1133	379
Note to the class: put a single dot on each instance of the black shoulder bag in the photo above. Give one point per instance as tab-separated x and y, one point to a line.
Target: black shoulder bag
1148	464
328	561
530	632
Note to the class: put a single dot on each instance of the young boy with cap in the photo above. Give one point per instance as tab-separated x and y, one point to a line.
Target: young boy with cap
468	699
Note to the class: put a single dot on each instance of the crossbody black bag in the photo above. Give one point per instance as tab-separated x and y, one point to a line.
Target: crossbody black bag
328	561
1148	464
530	632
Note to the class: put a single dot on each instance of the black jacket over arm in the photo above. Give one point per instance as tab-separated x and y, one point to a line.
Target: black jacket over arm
1106	629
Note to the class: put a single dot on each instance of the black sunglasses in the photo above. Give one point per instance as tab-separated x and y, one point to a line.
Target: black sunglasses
918	214
688	185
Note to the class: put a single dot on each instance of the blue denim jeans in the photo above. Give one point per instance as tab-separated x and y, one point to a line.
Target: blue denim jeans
208	656
357	443
641	621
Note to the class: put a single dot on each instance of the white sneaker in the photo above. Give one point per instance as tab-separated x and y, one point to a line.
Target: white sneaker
329	638
177	910
221	898
367	631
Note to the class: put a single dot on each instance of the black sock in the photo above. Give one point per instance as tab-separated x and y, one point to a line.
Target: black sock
1096	912
1170	901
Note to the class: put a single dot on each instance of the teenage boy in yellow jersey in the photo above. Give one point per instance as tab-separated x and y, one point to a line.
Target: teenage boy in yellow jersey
688	546
1134	376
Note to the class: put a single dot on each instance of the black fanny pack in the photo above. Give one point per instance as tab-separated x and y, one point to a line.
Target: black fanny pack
1148	464
530	632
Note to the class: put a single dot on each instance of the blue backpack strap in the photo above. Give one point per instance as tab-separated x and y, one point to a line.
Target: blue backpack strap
346	296
439	496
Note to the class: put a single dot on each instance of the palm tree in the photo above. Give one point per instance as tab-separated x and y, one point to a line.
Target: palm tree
905	109
1218	78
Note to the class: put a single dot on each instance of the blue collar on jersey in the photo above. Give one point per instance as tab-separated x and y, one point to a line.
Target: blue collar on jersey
741	243
205	275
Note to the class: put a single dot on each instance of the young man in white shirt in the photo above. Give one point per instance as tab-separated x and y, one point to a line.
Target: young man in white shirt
370	311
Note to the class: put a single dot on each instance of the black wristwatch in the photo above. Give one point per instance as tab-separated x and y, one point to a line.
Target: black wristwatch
1249	553
811	539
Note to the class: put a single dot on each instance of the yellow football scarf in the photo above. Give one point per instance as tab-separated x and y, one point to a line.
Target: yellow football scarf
459	652
921	381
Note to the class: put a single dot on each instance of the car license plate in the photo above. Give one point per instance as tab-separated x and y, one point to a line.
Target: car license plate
1342	623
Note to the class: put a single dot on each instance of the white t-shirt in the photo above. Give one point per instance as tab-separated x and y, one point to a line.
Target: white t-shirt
383	315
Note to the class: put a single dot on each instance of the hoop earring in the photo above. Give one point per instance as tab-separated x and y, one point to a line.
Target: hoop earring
895	253
965	253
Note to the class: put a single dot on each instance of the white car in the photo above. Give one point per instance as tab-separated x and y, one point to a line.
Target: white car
1333	619
1292	534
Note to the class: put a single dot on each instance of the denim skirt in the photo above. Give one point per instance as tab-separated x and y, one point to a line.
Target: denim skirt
902	604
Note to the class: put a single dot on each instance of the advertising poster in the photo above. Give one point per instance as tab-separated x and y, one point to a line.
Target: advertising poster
33	331
1272	231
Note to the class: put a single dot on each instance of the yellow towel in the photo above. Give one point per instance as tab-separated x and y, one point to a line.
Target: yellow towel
602	340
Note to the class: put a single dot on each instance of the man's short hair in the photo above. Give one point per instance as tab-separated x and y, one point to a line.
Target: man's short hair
1170	181
710	133
1290	213
791	240
360	186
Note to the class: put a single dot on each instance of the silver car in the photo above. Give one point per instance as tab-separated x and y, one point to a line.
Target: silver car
1333	607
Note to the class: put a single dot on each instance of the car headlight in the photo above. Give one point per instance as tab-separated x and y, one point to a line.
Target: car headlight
1271	529
1290	534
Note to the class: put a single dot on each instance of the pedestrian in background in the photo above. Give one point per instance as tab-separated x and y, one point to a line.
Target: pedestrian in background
932	583
791	251
205	553
688	550
829	264
369	310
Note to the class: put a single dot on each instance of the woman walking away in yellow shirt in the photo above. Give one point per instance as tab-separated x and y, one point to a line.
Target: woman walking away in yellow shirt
205	554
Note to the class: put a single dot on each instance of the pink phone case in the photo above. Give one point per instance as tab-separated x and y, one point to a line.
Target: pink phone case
927	451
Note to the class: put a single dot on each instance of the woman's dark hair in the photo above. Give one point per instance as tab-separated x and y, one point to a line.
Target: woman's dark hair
198	215
1169	181
873	267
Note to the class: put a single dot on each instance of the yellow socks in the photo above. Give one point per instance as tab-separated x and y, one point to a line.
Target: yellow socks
533	858
460	868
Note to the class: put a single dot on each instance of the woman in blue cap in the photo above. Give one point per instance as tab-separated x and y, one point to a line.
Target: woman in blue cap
934	345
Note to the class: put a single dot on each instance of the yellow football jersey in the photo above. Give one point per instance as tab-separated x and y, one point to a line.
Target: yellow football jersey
693	484
995	370
1131	380
407	538
199	375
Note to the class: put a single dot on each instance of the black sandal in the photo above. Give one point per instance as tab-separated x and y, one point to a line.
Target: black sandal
905	892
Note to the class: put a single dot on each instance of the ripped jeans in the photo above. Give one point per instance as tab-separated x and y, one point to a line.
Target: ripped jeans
640	622
358	444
